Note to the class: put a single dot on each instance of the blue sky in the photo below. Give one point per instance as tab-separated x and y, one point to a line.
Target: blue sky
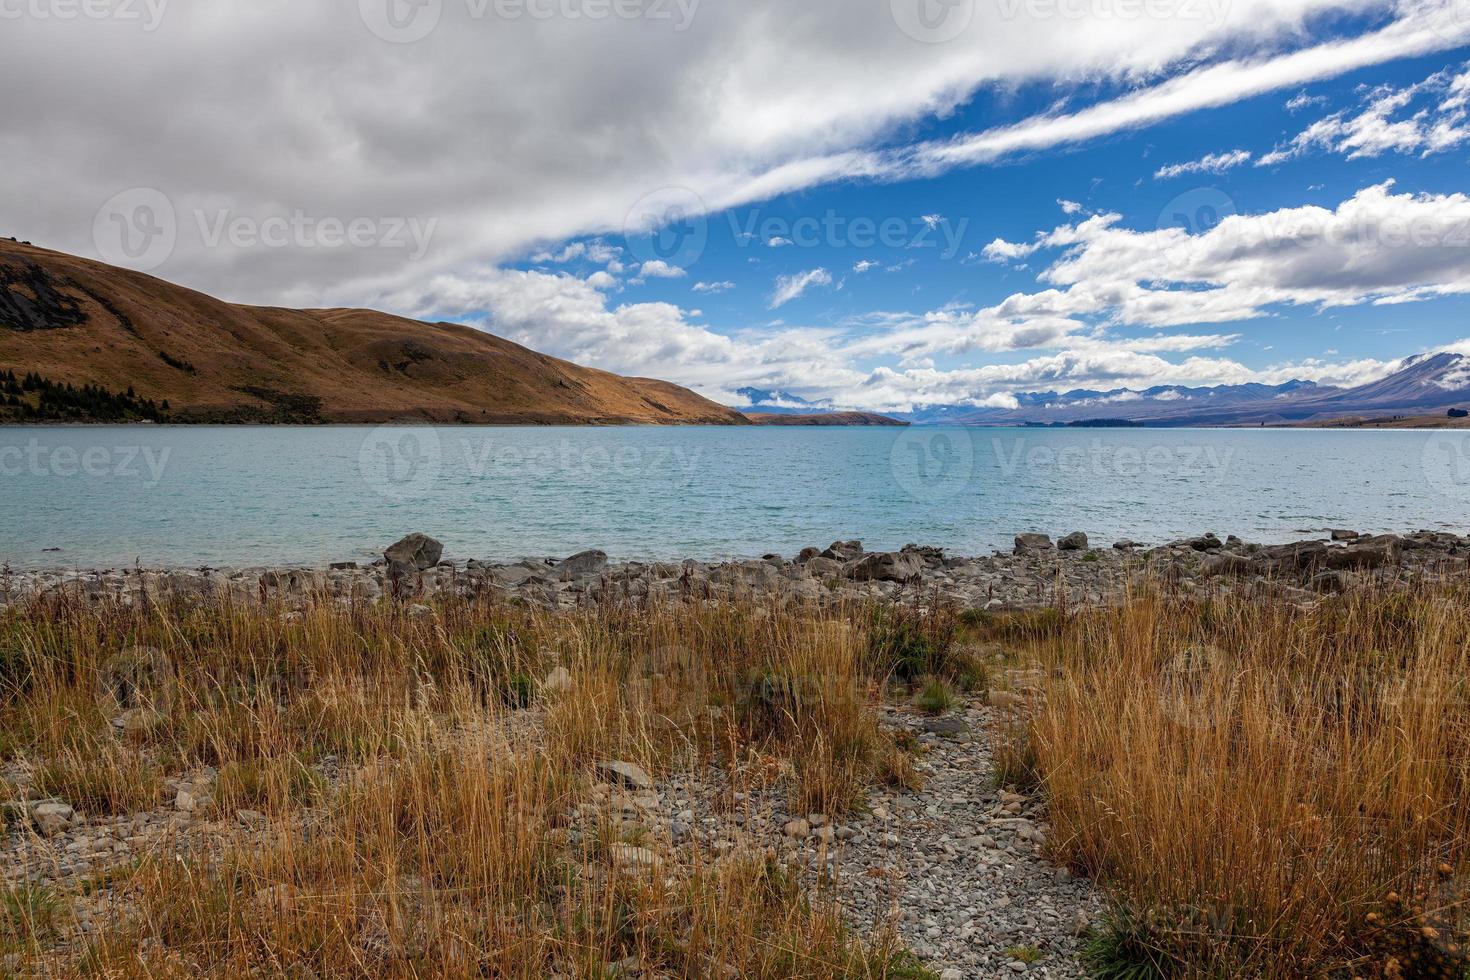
983	197
900	248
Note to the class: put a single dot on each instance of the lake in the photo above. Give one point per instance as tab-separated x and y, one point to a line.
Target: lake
233	496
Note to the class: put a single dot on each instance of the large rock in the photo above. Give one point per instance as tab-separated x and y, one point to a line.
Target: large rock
1227	564
844	551
417	550
756	575
1076	541
820	567
1298	555
888	566
628	774
52	817
1366	553
1030	543
583	563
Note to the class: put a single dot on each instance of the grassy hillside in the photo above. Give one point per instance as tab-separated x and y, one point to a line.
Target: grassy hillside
72	321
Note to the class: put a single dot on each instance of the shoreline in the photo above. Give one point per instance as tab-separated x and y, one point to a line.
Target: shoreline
1037	572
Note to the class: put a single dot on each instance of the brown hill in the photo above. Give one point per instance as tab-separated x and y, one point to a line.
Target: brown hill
75	321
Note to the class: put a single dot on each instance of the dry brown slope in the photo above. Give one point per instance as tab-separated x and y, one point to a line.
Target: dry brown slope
80	321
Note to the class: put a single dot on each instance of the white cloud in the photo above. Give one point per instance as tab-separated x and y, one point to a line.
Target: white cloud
778	242
1423	28
791	287
565	316
306	109
1302	101
596	251
713	287
659	269
1376	247
1210	163
864	265
1068	207
1424	118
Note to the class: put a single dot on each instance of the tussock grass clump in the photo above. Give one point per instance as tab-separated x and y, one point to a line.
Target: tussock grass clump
1267	791
423	783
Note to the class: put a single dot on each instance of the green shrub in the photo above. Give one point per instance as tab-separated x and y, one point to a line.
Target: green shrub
1126	947
937	697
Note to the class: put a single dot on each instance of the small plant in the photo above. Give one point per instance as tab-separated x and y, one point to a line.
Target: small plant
896	763
28	914
1125	947
1015	762
1030	626
518	691
910	643
936	697
105	778
904	965
267	784
1027	954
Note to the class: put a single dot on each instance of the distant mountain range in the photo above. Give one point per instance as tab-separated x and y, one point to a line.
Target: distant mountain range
1426	384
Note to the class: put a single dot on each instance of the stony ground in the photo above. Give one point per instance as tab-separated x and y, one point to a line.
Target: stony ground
961	861
957	867
1037	573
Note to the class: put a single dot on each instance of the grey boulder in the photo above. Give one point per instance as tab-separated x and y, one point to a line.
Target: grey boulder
583	563
417	550
1029	542
844	551
888	566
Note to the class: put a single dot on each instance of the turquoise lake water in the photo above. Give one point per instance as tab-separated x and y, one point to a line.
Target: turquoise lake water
188	496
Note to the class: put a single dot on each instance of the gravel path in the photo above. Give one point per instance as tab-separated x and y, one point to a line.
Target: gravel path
960	863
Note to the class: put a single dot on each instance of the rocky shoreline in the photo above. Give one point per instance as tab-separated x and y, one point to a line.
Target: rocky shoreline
1038	572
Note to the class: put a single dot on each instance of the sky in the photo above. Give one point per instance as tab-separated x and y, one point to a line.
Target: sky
877	204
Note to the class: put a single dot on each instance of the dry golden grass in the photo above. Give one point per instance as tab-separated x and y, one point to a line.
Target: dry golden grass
445	844
1266	791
